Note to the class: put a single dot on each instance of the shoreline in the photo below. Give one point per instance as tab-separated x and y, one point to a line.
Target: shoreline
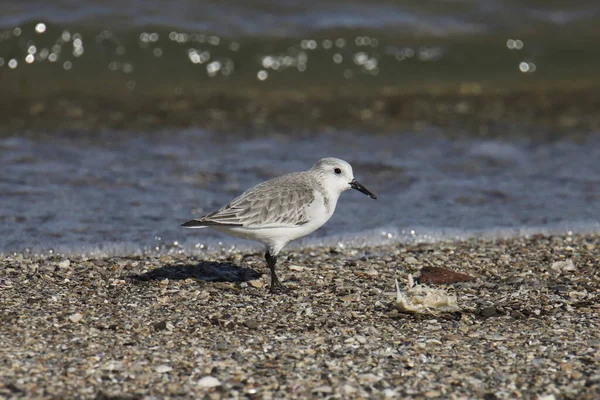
141	326
545	112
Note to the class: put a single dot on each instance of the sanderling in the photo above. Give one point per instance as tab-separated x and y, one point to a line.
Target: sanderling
285	208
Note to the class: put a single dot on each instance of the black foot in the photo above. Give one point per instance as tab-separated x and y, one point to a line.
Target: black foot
280	289
276	286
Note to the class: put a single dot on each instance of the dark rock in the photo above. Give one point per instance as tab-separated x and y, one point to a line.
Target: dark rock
488	312
436	275
160	326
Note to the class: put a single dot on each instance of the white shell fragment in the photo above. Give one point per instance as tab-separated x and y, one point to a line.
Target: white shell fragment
420	299
209	382
161	369
75	318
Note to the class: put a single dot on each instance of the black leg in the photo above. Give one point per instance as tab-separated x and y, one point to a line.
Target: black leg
276	286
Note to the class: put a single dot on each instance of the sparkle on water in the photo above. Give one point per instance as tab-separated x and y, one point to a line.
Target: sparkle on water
354	56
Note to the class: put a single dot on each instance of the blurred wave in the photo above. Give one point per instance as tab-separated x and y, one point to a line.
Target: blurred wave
293	17
123	192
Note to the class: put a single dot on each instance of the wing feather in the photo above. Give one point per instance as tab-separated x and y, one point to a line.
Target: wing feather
282	201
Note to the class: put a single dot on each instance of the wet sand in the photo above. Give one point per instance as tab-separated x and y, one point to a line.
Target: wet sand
188	326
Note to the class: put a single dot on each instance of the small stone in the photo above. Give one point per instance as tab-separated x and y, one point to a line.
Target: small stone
560	288
76	318
411	260
489	312
576	375
348	389
256	283
577	295
547	397
360	339
251	324
366	379
564	266
222	345
161	369
594	378
349	298
164	282
566	366
230	324
490	396
433	393
209	382
322	389
497	338
296	268
160	326
371	272
112	365
64	264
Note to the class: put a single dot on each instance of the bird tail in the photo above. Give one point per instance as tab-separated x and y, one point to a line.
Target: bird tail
195	223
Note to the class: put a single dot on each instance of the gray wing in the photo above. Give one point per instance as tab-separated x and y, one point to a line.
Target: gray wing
282	201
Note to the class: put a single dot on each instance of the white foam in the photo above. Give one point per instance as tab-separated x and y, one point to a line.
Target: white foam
370	238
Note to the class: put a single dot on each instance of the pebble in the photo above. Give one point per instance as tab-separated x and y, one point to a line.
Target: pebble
368	378
251	324
360	339
349	298
76	318
256	283
209	382
160	326
564	266
348	389
222	345
489	312
322	389
163	368
335	331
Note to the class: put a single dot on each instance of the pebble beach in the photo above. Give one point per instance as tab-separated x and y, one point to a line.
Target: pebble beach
181	326
475	275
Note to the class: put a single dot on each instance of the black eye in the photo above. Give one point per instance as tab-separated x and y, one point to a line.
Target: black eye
337	171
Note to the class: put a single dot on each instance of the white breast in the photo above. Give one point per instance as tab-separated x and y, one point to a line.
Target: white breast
319	211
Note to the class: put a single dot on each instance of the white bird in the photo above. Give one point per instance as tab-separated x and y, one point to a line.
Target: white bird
285	208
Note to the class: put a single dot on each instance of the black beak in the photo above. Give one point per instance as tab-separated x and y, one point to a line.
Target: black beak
355	185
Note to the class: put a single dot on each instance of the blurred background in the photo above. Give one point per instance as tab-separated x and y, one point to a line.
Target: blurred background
119	120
